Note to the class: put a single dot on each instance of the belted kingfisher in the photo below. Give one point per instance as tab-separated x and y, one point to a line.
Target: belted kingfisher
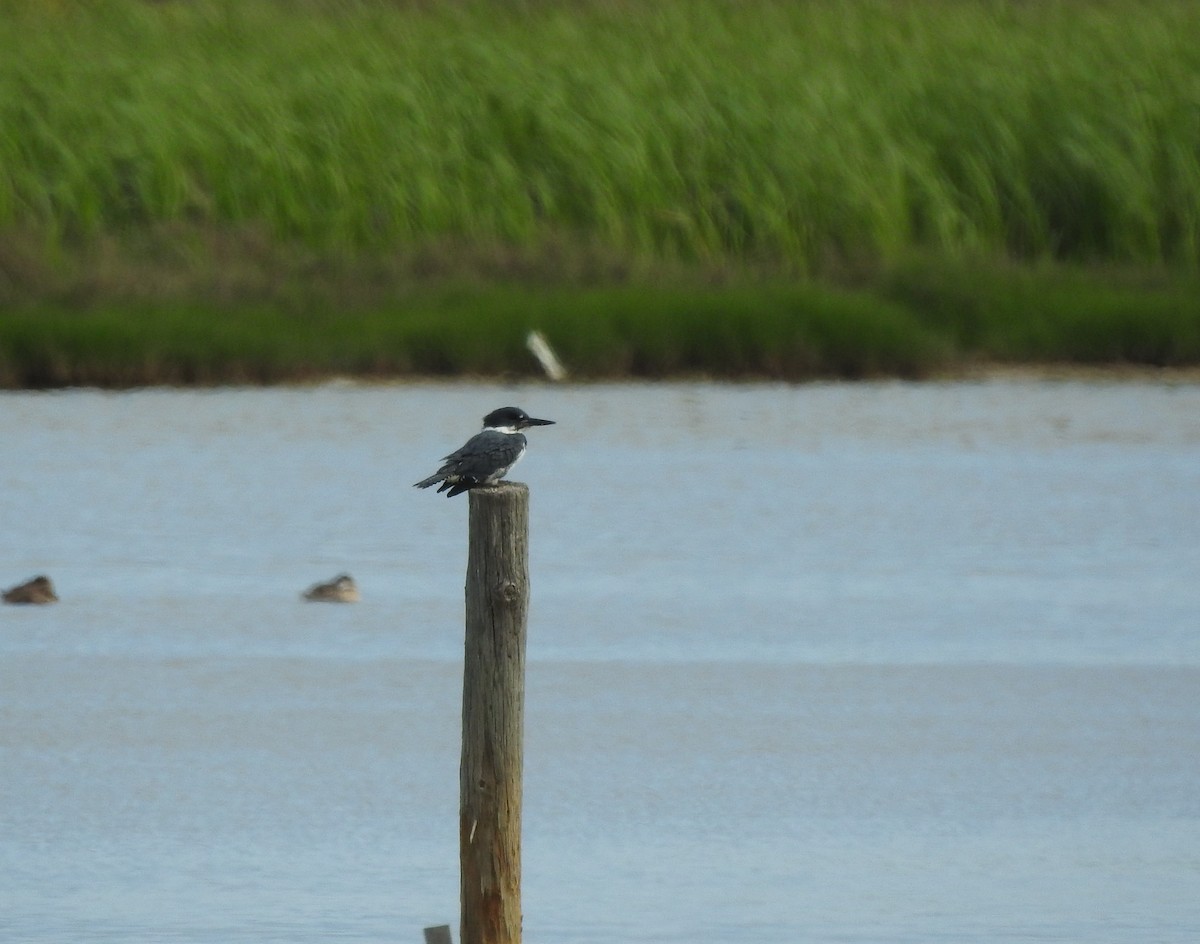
488	455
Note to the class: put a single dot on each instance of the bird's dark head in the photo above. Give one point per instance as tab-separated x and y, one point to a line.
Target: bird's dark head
510	419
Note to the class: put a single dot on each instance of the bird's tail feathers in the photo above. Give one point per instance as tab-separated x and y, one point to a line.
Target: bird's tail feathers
432	480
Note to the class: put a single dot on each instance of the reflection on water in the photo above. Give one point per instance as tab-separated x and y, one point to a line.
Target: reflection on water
836	662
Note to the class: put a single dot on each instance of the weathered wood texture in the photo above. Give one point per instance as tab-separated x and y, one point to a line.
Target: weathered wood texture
497	595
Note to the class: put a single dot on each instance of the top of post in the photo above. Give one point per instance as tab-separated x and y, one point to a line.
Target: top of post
499	491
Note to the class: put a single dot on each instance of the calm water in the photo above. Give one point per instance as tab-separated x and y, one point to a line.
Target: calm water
844	663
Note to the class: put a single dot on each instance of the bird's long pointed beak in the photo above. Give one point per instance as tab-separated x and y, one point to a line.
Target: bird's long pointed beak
532	422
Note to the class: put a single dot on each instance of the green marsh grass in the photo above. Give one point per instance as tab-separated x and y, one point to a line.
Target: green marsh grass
693	128
261	190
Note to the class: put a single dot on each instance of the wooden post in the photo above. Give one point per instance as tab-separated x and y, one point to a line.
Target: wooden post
497	594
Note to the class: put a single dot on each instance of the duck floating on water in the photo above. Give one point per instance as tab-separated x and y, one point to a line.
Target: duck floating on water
341	589
37	590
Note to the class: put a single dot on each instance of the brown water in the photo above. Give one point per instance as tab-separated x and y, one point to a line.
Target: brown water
827	663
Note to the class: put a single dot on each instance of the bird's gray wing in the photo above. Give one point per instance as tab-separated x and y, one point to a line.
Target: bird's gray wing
483	454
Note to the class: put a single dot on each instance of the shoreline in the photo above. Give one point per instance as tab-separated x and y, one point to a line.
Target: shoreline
1114	374
1106	373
